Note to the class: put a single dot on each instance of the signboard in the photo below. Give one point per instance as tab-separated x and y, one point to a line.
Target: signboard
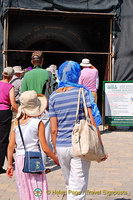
118	103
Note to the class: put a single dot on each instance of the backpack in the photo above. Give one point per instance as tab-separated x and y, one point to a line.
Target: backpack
50	86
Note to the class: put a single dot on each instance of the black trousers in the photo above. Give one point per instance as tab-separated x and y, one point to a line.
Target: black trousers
5	126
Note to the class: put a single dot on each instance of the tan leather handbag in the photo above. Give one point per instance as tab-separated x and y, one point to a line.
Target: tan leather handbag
85	141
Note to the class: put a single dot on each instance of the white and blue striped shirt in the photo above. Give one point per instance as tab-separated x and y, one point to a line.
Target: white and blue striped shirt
63	105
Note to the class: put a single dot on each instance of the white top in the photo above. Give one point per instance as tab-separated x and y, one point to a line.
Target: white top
30	136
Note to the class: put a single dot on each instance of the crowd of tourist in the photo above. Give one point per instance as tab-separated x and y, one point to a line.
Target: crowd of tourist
44	101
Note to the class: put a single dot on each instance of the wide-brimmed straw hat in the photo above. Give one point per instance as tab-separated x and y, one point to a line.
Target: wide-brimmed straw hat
85	63
32	104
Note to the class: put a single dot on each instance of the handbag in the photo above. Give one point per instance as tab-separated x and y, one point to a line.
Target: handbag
85	140
33	162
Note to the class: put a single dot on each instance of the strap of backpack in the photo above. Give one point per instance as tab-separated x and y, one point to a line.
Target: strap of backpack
13	80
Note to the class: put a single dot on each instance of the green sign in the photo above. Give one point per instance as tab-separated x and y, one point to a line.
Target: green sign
118	103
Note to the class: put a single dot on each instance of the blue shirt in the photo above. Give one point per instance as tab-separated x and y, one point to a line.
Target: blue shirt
63	105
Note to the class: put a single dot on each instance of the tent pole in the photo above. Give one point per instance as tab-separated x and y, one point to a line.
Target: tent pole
4	45
110	51
5	41
113	50
7	30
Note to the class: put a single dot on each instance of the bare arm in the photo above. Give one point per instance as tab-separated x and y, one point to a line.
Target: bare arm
54	130
44	144
12	99
97	82
92	67
10	151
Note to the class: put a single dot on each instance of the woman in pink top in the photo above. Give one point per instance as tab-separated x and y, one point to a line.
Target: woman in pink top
7	99
89	77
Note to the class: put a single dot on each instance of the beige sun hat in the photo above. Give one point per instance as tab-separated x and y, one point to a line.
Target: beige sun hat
8	71
18	69
85	63
32	104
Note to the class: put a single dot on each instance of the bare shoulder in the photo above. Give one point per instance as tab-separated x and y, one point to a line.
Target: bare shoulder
63	89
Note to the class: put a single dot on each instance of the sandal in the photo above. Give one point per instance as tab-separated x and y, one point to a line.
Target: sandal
47	171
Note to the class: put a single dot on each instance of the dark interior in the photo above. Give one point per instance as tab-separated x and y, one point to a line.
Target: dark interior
59	32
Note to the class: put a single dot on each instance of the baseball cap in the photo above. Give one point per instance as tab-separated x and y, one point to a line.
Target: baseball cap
37	55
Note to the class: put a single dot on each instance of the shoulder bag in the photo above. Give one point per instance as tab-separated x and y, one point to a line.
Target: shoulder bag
33	162
85	140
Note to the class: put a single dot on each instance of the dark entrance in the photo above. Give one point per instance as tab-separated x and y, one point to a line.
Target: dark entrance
62	36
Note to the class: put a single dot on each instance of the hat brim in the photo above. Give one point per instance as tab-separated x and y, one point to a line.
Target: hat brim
19	72
85	65
7	75
38	111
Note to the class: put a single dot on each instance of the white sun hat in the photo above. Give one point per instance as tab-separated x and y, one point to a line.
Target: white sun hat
85	63
32	104
8	71
18	69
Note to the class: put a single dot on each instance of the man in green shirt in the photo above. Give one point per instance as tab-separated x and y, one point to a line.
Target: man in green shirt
41	81
36	78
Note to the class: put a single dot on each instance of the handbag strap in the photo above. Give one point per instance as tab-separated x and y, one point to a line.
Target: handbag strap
85	107
84	103
77	111
21	135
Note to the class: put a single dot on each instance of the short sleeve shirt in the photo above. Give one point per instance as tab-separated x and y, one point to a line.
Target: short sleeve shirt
88	78
34	80
4	95
63	105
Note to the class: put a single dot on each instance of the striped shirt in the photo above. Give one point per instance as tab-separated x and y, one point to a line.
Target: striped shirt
63	105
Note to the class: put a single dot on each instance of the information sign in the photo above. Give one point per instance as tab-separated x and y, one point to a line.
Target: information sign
118	103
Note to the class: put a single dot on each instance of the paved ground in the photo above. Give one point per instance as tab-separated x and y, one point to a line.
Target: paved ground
109	180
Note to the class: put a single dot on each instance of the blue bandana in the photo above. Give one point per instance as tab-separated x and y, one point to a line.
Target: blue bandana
68	75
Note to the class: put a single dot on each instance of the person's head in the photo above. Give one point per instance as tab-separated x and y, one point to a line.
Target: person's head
31	104
18	71
69	71
37	58
53	69
85	62
8	72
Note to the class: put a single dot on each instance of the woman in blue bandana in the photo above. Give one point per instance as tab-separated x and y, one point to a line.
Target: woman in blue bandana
62	112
